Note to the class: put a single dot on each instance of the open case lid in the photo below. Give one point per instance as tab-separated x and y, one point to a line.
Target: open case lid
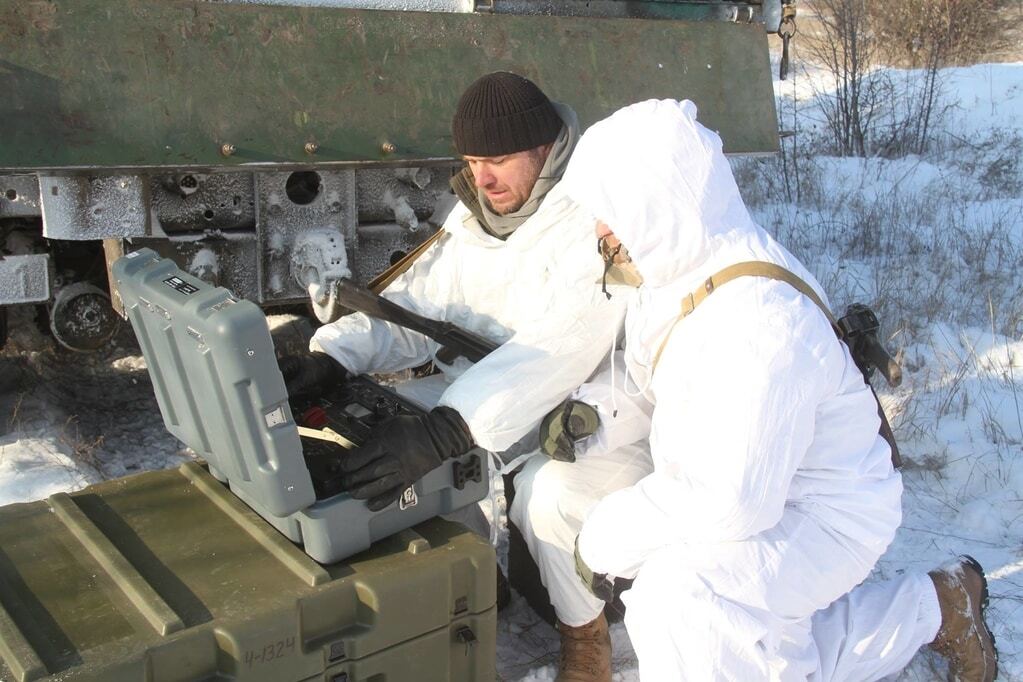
212	363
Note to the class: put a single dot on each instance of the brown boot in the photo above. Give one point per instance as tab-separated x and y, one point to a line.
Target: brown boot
964	638
585	652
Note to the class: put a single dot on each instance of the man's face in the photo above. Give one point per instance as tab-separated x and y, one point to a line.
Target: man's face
507	181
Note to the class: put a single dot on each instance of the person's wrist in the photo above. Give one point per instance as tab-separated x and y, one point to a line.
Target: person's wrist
328	367
451	432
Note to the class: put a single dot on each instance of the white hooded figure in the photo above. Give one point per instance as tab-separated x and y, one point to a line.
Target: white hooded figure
772	494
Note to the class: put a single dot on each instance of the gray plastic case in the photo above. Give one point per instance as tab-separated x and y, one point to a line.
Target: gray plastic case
220	391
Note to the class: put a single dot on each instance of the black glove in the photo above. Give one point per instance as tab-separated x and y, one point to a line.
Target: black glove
600	585
400	451
305	373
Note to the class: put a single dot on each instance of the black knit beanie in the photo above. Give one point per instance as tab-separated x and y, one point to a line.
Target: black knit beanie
503	113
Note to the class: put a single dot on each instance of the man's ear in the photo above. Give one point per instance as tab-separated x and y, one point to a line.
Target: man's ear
543	151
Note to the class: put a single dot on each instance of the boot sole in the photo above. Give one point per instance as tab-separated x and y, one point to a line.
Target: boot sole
975	565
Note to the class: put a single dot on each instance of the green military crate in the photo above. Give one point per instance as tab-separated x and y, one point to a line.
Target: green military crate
166	576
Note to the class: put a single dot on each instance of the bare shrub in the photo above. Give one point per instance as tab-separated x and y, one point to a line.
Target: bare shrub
928	35
14	420
874	111
848	48
917	256
935	33
84	450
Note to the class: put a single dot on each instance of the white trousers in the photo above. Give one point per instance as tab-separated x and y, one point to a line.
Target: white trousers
775	607
552	499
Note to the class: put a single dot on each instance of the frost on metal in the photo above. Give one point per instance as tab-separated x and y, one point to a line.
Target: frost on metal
24	279
198	201
297	211
19	196
404	214
404	195
317	259
81	208
205	265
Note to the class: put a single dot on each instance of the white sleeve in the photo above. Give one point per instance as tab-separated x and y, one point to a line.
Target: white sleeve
731	425
624	412
365	344
507	393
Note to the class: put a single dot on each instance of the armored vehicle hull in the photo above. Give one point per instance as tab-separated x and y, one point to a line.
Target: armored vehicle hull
275	148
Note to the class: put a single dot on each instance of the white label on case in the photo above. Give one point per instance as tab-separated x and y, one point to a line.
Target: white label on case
408	498
275	417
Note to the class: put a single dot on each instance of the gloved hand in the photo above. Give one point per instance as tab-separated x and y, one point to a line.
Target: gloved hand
305	373
400	451
566	424
600	585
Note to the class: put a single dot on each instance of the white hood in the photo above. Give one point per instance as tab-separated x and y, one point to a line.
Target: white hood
661	182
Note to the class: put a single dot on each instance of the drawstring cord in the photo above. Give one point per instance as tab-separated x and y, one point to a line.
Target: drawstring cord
608	254
614	343
641	391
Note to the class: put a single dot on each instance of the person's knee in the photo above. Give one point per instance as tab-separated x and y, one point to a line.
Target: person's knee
682	621
542	499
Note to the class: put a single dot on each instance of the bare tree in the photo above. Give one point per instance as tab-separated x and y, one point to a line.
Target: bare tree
929	35
847	46
874	111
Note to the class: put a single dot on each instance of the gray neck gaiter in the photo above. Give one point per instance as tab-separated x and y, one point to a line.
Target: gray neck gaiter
503	225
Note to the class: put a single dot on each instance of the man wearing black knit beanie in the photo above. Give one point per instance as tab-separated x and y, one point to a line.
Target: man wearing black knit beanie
515	145
515	264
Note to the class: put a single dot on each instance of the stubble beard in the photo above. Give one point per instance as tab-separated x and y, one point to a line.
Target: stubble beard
537	161
510	208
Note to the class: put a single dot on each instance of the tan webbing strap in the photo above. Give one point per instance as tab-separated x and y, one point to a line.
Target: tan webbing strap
772	271
753	268
381	281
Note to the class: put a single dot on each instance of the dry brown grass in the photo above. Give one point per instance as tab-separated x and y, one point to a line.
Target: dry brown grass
83	449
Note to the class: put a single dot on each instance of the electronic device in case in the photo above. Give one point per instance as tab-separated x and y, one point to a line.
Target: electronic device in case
211	359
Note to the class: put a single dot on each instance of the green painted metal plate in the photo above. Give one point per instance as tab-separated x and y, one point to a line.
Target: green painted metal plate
131	84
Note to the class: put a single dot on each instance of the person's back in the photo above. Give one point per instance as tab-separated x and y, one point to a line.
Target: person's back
758	339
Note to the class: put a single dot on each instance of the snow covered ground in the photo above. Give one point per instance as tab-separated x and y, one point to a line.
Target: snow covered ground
934	242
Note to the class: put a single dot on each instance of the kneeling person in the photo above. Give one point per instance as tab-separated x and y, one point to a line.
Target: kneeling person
772	495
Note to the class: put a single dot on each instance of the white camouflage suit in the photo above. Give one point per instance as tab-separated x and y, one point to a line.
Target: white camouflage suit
536	293
772	494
